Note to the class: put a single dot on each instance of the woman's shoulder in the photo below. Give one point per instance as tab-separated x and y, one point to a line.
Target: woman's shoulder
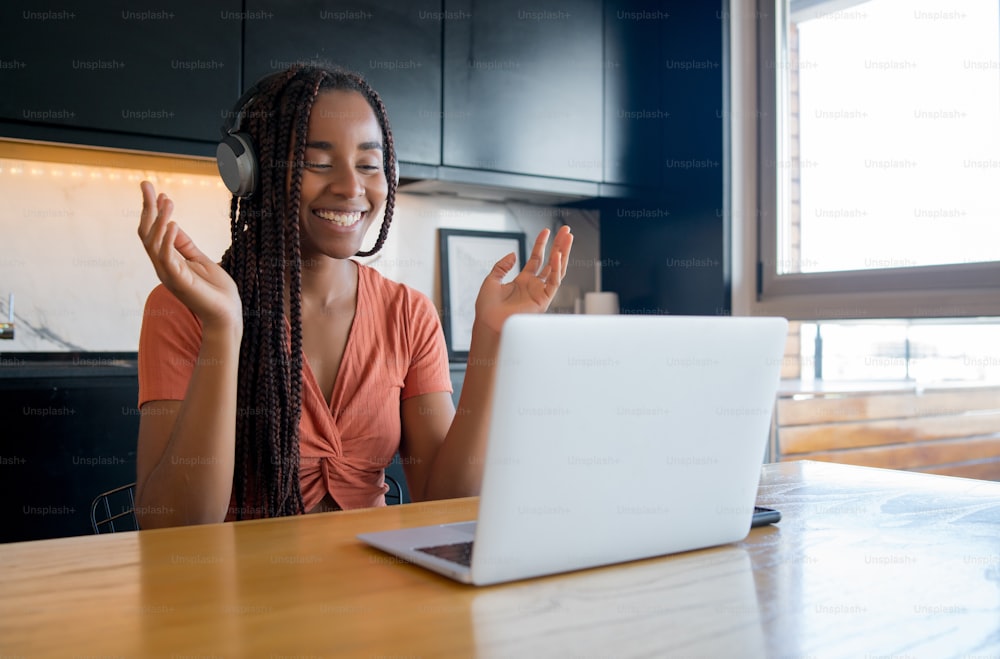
391	291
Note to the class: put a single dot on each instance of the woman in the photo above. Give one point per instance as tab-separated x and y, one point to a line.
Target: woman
235	423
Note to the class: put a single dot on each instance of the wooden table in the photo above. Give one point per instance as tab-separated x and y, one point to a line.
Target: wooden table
866	562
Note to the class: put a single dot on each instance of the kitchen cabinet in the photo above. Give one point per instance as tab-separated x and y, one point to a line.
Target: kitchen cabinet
523	87
395	45
69	429
119	69
667	248
692	83
663	98
635	111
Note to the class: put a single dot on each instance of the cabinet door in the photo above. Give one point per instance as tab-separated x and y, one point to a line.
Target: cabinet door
149	70
65	440
692	84
634	112
395	45
523	87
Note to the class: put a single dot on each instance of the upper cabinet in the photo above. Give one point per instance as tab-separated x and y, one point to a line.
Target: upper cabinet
573	96
635	111
523	87
691	85
107	67
395	45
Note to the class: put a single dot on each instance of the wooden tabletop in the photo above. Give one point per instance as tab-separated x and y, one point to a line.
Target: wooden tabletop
866	562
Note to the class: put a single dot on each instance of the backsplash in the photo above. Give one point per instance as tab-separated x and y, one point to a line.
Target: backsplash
70	254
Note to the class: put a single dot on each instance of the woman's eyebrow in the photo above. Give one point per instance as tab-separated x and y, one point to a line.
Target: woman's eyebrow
363	146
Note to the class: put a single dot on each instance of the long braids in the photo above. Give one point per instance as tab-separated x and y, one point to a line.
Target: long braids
266	263
389	158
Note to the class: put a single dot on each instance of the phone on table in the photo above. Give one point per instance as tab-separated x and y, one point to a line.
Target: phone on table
764	516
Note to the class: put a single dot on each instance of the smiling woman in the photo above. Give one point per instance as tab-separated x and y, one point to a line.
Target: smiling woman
284	379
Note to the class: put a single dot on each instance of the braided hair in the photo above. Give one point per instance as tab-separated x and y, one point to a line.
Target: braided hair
265	261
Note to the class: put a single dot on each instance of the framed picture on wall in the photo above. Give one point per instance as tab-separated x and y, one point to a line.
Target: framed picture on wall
466	258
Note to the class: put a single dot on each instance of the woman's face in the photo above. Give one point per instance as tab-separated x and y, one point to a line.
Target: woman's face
343	184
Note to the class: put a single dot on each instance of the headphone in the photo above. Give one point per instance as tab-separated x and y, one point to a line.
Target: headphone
235	155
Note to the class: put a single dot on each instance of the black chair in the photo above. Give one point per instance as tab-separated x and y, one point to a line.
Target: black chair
103	520
121	499
394	496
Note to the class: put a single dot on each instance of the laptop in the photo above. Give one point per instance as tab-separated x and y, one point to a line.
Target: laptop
612	439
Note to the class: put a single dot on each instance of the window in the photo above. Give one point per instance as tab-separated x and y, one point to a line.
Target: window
867	133
927	351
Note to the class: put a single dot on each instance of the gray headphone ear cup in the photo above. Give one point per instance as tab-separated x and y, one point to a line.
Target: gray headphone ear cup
237	164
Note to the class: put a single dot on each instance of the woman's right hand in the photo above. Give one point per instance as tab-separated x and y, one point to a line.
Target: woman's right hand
197	281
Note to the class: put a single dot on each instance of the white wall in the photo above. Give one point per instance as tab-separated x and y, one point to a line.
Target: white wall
70	253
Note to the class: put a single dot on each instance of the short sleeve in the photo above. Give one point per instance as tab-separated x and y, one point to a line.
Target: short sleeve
169	343
428	371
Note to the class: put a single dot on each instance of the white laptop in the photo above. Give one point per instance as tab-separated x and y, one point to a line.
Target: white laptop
612	438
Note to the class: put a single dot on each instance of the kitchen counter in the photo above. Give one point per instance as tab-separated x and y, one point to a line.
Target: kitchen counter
20	365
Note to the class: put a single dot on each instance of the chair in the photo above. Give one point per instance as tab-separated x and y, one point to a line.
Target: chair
102	520
394	496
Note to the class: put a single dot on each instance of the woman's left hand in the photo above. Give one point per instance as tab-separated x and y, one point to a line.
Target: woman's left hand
532	290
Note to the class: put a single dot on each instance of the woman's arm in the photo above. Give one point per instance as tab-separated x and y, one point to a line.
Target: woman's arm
446	449
186	449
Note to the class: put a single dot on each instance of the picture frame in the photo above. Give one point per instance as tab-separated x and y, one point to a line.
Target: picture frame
466	258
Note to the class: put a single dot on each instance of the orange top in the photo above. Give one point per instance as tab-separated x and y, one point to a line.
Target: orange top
395	350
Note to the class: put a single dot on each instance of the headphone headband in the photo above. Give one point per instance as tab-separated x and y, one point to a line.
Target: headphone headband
235	117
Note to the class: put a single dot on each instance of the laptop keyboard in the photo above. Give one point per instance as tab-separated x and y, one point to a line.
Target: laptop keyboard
460	552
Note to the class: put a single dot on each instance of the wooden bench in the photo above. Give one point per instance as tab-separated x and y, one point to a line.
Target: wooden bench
953	431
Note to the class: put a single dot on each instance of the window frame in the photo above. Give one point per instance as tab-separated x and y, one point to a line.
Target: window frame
938	291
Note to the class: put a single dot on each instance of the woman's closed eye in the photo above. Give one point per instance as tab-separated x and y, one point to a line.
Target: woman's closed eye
325	166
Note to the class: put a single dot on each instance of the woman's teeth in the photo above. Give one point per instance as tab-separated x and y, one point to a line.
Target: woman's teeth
342	219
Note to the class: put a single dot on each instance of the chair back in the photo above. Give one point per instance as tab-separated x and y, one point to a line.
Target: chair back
395	494
114	510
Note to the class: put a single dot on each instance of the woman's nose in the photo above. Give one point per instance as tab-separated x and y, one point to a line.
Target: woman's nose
345	182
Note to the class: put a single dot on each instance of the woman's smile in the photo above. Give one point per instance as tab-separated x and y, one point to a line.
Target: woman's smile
340	218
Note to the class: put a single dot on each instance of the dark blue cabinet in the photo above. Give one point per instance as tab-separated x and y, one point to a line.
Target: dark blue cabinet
68	433
523	87
667	247
119	69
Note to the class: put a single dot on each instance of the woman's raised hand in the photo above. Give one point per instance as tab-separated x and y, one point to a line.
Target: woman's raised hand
197	281
532	290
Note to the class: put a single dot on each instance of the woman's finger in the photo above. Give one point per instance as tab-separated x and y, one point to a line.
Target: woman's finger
562	244
154	232
554	279
167	256
502	267
534	262
183	244
147	213
560	248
